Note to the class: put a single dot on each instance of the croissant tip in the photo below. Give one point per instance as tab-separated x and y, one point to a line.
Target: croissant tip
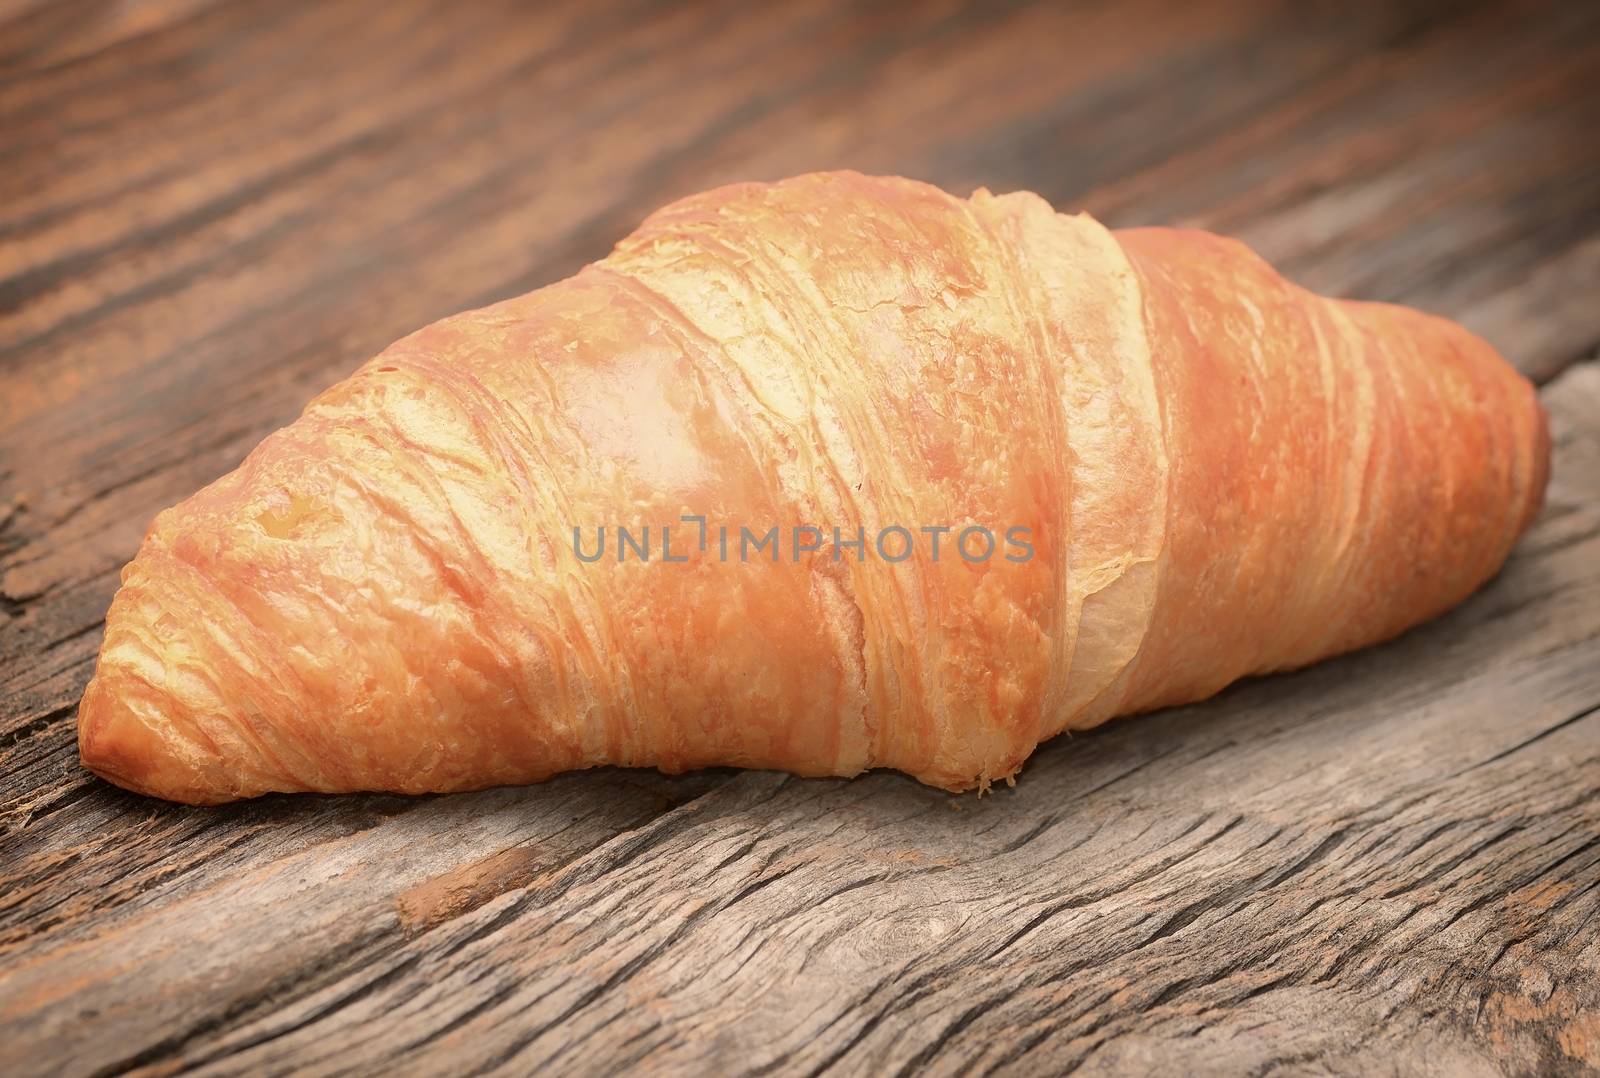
115	745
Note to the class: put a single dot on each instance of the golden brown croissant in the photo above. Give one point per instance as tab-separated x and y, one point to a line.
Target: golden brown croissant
1154	467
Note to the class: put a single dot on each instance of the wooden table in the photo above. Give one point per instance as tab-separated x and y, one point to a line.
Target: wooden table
1390	862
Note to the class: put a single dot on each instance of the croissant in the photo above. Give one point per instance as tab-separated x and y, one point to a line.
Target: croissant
823	475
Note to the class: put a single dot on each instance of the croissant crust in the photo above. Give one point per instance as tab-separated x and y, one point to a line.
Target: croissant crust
1214	472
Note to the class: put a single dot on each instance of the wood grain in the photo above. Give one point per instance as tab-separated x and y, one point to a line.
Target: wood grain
1387	863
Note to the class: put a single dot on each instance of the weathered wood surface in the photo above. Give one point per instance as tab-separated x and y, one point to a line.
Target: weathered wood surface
1389	863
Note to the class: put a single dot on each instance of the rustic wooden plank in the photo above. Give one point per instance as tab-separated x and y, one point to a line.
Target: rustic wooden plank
36	34
208	213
